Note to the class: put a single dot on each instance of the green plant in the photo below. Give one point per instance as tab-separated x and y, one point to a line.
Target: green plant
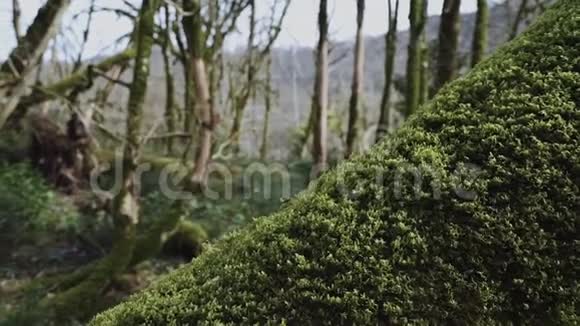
13	146
29	205
352	250
187	240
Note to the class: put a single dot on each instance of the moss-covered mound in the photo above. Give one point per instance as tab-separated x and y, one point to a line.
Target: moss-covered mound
489	236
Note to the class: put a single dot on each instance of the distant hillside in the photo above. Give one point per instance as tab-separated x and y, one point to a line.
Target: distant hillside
294	74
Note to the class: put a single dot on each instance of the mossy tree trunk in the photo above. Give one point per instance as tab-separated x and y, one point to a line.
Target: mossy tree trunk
189	87
384	126
448	42
126	207
215	56
425	75
18	70
268	109
357	80
320	100
417	21
170	116
82	296
188	99
480	35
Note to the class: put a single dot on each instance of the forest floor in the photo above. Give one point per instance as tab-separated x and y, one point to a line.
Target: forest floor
28	256
20	266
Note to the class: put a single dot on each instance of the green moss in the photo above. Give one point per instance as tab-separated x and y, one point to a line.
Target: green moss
156	231
351	251
187	240
85	295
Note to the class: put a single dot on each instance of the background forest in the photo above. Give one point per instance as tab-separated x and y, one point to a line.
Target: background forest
85	141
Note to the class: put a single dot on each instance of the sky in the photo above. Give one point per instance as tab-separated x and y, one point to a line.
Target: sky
299	27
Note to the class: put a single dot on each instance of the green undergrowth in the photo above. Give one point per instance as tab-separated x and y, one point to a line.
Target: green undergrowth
489	237
31	209
234	198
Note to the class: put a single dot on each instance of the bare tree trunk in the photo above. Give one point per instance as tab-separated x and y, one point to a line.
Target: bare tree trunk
480	34
518	19
268	108
205	111
417	20
320	107
240	104
391	48
216	57
448	42
303	146
169	82
357	81
20	64
16	13
203	154
79	61
425	71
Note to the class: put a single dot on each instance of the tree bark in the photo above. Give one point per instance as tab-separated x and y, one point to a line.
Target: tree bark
448	42
16	13
268	109
417	21
425	71
384	126
21	61
240	103
480	34
256	54
125	207
33	44
205	111
170	119
303	142
189	89
520	15
357	81
79	81
320	107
